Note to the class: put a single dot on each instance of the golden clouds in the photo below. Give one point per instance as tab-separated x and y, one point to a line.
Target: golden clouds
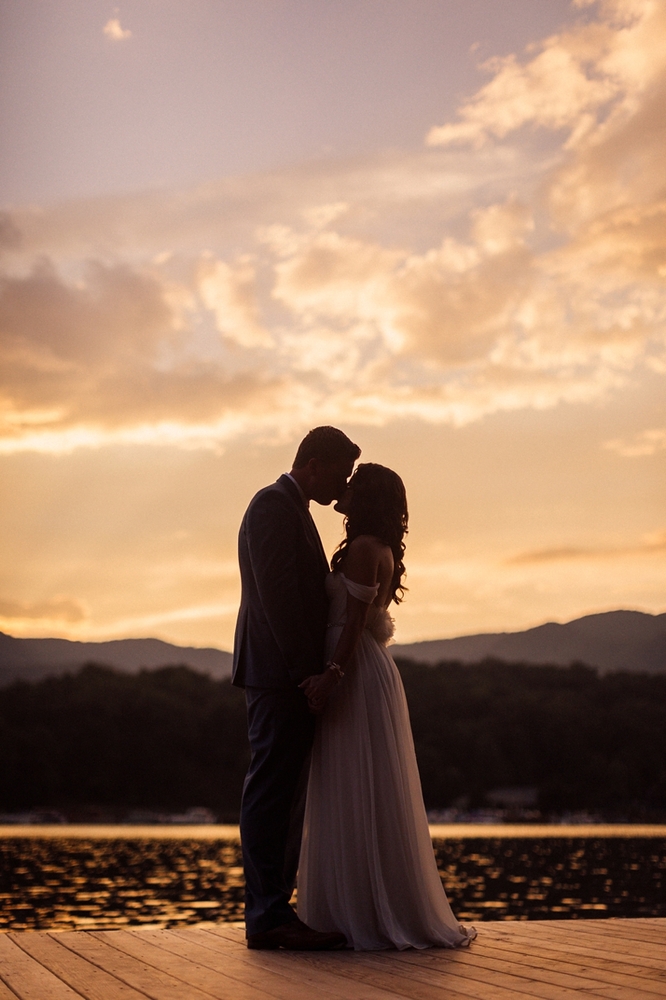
332	275
654	545
488	273
105	359
60	343
111	311
230	292
647	442
55	610
582	80
115	31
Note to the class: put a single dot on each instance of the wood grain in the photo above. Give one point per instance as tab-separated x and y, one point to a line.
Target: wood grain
612	959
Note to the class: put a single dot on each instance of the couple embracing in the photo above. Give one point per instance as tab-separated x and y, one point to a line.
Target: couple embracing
333	791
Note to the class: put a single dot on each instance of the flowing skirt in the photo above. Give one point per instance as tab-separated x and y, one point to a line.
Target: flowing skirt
367	866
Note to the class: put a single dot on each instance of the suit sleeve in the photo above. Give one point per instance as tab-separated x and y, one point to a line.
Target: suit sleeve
273	534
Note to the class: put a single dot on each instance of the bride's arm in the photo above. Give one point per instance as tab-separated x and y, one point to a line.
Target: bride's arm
361	566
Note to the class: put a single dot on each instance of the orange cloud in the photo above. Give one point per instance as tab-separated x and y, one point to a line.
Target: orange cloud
229	290
106	360
114	30
63	610
647	442
419	286
654	545
580	80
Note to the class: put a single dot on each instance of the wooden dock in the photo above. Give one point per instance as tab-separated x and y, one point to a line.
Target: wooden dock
549	960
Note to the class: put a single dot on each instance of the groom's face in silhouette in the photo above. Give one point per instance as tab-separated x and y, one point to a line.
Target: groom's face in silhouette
324	482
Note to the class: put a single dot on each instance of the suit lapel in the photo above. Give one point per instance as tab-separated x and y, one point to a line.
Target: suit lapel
317	537
306	516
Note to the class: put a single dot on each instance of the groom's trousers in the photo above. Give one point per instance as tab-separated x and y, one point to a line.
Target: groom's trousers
281	731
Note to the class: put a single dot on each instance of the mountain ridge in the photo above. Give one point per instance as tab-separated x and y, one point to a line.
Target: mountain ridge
610	641
32	659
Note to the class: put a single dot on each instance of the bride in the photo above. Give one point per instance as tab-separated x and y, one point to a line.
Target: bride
367	866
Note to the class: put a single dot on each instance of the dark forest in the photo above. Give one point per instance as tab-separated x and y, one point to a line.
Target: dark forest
100	742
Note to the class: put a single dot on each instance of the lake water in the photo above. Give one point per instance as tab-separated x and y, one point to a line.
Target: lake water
110	877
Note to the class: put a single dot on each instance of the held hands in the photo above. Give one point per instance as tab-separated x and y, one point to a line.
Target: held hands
318	687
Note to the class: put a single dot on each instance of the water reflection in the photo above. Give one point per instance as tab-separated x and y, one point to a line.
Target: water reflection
84	883
65	884
550	878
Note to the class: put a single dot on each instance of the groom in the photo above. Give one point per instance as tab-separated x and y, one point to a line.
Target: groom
279	641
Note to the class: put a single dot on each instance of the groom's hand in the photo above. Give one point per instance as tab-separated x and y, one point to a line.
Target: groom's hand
315	698
317	688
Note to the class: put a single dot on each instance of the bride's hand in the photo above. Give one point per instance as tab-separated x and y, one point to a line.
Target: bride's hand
317	689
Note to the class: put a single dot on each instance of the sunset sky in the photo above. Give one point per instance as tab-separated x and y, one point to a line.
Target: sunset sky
439	225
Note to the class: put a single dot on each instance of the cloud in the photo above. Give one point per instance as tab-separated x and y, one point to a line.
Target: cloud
588	68
10	238
491	272
141	624
61	610
114	30
652	545
229	290
647	442
71	618
107	359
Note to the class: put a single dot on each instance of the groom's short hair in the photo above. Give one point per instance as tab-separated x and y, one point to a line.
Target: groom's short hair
328	444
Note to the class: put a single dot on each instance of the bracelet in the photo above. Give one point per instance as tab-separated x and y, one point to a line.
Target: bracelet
336	668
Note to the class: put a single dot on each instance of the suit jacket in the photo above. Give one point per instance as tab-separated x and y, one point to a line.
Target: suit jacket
281	627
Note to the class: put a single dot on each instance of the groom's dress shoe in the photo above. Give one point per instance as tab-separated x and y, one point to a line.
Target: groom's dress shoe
297	936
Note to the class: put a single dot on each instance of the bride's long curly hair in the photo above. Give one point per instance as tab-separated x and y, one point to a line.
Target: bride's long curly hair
377	506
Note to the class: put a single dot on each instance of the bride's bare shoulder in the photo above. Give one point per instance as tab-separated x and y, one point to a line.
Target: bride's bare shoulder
367	553
367	545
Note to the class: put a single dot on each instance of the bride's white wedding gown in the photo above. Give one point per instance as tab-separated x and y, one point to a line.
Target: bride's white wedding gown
367	866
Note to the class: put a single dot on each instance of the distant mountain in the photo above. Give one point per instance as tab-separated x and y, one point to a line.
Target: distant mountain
616	640
31	659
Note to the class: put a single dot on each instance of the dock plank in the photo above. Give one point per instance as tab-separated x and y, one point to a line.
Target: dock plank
355	975
597	951
341	971
630	930
271	972
381	969
160	950
481	979
82	977
22	977
533	960
547	982
540	959
641	934
472	978
134	971
654	955
5	992
556	974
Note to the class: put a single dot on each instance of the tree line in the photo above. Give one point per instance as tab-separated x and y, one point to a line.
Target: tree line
584	741
173	738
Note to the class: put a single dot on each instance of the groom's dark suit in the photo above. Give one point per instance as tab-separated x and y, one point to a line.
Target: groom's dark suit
279	641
